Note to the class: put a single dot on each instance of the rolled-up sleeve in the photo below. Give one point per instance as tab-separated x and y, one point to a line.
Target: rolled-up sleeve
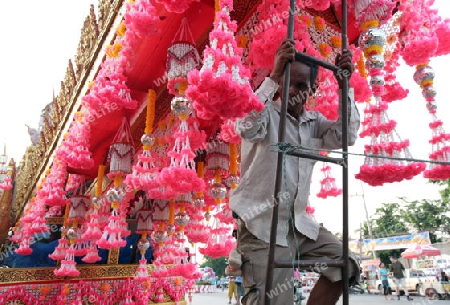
253	127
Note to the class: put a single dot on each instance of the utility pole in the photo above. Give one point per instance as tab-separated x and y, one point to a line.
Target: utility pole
369	224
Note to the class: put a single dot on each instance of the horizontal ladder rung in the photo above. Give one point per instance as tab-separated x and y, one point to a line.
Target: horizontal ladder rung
305	155
311	263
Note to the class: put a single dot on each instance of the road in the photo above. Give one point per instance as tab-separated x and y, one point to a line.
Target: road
219	297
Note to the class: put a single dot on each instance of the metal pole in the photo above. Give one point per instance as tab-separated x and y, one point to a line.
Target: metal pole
344	92
279	173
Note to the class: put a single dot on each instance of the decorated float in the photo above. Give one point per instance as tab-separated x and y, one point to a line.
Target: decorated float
140	139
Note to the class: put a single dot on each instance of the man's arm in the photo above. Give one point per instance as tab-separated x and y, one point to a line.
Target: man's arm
331	131
253	127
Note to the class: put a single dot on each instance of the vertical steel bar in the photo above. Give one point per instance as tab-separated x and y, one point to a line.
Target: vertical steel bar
279	172
344	92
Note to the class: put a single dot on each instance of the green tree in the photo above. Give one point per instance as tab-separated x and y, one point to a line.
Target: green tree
445	192
217	264
387	221
428	215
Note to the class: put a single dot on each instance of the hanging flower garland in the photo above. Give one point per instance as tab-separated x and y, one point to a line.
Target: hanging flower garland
328	184
220	242
74	149
121	158
68	264
181	176
177	6
109	90
142	18
222	75
379	170
145	172
424	76
418	40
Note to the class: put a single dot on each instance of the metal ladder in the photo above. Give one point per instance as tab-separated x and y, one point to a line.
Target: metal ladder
343	263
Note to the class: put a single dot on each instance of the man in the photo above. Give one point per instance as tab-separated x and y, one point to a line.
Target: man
399	277
252	200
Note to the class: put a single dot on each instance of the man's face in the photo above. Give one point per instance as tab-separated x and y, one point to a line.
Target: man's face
299	86
393	260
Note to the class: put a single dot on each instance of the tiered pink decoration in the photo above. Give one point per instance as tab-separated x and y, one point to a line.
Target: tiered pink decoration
68	265
417	36
115	231
221	88
60	251
220	242
182	58
74	149
22	235
176	6
424	77
52	190
142	270
6	184
109	91
121	158
378	168
197	232
38	226
145	173
181	176
328	184
93	231
424	35
142	18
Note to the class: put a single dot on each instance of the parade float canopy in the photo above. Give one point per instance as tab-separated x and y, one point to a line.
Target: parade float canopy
147	70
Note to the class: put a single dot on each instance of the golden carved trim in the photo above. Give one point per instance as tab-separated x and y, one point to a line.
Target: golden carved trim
104	10
43	274
113	256
36	160
55	220
89	36
70	81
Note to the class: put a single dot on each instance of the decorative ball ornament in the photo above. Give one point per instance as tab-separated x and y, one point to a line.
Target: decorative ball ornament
170	228
375	62
159	236
372	37
429	92
180	105
208	216
96	202
72	233
218	190
425	73
179	235
143	244
182	219
147	139
115	194
231	180
199	202
377	80
431	106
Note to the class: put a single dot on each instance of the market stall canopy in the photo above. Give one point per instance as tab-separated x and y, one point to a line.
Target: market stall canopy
418	250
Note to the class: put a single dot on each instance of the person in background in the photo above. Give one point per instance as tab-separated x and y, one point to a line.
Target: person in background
240	288
397	270
444	277
232	290
222	283
384	272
